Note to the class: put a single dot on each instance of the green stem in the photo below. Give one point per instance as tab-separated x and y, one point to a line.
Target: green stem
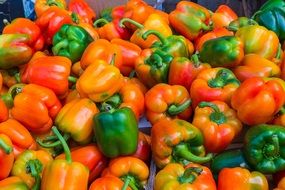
4	146
55	3
75	18
232	28
72	79
17	77
100	21
8	100
278	55
217	116
282	110
61	45
122	21
129	181
182	151
115	101
46	143
16	89
63	143
157	34
271	150
126	183
207	27
155	59
195	60
177	109
190	175
34	167
106	107
113	59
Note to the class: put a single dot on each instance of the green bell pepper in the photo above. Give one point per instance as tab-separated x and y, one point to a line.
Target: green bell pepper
240	22
116	131
14	50
226	51
71	41
264	148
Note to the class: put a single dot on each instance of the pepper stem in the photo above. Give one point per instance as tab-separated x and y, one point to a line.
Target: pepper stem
232	28
122	21
129	181
100	21
154	59
72	79
282	110
190	175
107	107
75	18
207	27
4	146
63	143
217	116
61	45
272	150
195	60
278	55
8	100
114	101
34	167
55	3
46	143
177	109
182	151
157	34
223	77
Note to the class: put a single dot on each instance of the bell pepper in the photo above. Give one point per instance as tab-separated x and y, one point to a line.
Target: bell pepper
213	84
4	112
281	185
130	52
42	5
223	16
12	183
165	101
253	65
82	8
258	40
279	118
72	175
76	69
263	148
108	182
21	138
225	51
129	95
183	71
10	78
70	41
190	19
218	123
152	66
101	49
91	31
258	100
143	150
48	71
133	171
240	22
26	161
89	156
36	107
110	13
26	26
117	127
14	50
216	33
6	156
137	82
51	21
99	81
245	179
153	22
193	176
177	141
72	95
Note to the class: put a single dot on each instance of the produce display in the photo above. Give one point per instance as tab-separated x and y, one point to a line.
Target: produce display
76	86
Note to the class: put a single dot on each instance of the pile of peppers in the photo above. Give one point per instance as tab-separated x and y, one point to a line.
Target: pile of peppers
76	87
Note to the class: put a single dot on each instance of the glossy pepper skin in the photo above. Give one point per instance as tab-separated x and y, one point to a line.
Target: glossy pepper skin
82	8
71	41
26	26
253	65
165	101
218	123
51	21
256	94
6	156
72	175
12	183
223	16
240	22
189	19
258	40
99	81
280	185
279	118
14	50
245	179
35	107
176	176
48	71
119	128
108	182
177	141
213	84
263	148
225	51
69	119
19	135
111	13
38	159
4	112
143	150
133	171
42	5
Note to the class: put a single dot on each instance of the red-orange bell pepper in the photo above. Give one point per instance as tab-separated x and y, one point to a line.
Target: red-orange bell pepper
223	16
281	184
4	112
42	5
36	107
91	31
165	101
6	156
143	150
108	182
13	182
72	95
137	82
257	100
82	8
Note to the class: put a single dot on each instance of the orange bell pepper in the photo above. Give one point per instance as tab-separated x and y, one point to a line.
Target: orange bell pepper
76	69
6	156
243	178
218	123
91	31
11	183
99	81
223	16
21	138
193	176
4	112
280	185
101	49
108	182
165	101
42	5
126	168
72	95
82	8
137	82
36	107
253	65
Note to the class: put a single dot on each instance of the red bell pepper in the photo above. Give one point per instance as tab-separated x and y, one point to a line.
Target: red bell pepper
82	8
223	16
